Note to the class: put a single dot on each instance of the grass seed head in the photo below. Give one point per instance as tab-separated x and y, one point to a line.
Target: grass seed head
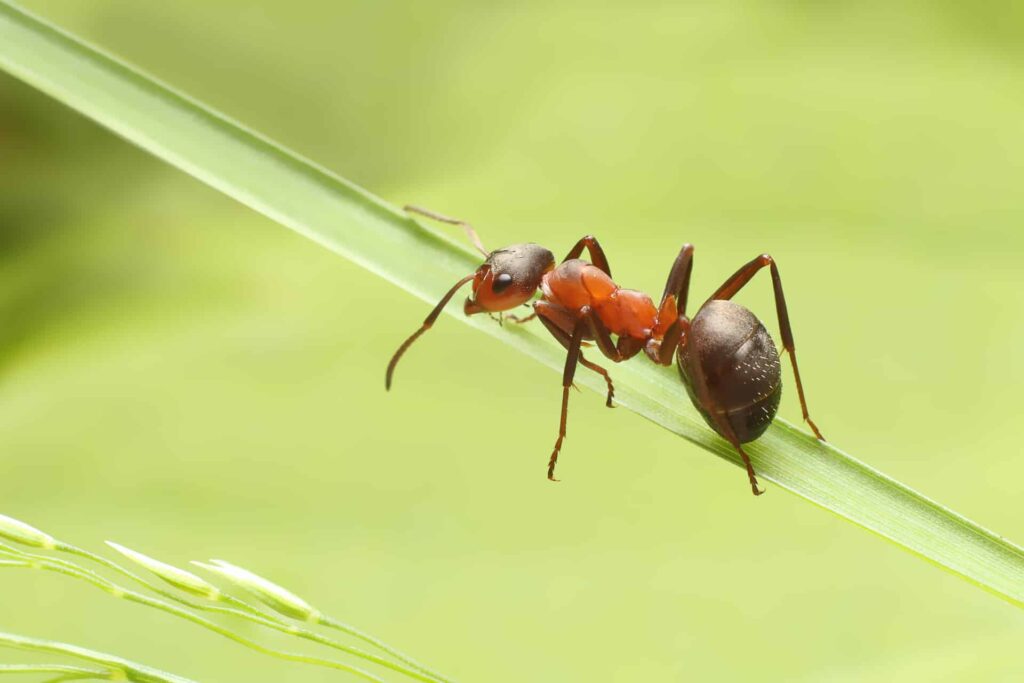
274	596
19	532
179	578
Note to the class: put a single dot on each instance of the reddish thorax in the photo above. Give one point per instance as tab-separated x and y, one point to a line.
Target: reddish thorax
625	312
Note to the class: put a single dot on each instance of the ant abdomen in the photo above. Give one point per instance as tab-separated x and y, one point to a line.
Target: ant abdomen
729	356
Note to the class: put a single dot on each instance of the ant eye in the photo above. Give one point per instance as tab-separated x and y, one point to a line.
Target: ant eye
501	283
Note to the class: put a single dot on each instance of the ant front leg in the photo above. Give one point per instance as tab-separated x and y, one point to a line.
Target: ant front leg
597	256
599	332
519	321
553	317
567	376
470	231
735	283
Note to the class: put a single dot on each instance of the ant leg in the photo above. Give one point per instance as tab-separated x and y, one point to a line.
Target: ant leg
607	379
616	353
597	256
726	430
735	283
719	417
602	337
565	339
567	376
671	321
750	468
563	319
670	342
678	284
427	324
519	321
470	232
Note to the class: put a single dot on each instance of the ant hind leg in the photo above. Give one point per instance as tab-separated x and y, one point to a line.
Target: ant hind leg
736	282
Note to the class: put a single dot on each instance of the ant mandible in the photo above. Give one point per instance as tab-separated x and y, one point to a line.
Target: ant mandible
726	359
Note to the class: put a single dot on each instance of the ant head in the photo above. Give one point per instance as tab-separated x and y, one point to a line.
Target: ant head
509	277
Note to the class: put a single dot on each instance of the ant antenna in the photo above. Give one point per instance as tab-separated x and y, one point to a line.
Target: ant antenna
470	232
427	324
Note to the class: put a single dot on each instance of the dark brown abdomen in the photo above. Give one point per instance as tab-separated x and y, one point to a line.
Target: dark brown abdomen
729	352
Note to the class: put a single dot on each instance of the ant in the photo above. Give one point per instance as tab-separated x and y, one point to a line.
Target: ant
726	359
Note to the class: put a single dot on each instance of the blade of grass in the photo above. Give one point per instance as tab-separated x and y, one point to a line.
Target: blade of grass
374	234
63	671
119	669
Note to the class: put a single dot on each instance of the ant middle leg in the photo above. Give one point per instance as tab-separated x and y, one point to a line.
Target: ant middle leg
750	470
726	430
626	348
736	282
470	231
671	322
677	286
696	379
610	398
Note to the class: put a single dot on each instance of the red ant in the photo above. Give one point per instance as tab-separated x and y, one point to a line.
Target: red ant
727	360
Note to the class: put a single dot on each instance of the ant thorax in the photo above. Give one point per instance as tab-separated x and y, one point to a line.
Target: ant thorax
628	313
577	284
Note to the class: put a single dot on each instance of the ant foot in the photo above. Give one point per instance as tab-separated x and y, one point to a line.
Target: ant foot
814	428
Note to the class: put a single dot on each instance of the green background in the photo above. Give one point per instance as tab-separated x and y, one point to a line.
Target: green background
184	376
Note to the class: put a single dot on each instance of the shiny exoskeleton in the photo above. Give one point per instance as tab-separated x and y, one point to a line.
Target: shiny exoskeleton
726	358
729	360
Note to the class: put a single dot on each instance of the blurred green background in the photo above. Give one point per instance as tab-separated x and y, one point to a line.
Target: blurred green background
186	377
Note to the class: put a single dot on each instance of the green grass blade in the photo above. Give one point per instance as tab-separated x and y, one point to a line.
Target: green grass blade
361	227
119	669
